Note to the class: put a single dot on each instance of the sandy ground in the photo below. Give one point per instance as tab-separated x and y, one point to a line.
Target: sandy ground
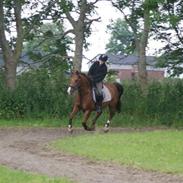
27	149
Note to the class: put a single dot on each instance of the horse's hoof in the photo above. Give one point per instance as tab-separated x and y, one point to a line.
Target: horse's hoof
106	128
88	129
70	130
92	128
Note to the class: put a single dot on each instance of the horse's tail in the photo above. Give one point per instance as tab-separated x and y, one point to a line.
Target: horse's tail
120	91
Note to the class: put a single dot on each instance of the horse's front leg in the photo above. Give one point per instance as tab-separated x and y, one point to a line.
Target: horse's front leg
71	116
86	116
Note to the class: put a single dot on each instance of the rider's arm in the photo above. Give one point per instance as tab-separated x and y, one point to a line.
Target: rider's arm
91	70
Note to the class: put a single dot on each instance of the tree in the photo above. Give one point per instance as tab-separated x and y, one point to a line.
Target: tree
168	28
139	16
20	27
121	40
47	42
83	10
11	11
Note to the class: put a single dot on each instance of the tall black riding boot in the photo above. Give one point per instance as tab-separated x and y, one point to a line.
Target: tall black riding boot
99	100
98	108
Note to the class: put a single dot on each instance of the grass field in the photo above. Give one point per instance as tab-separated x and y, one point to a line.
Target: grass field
119	120
33	123
14	176
158	150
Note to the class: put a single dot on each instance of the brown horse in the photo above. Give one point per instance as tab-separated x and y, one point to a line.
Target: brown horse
84	100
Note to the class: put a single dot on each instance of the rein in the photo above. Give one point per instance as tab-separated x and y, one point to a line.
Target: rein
75	87
87	78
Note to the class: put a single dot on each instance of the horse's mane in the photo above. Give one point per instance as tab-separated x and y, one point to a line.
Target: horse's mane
83	74
86	76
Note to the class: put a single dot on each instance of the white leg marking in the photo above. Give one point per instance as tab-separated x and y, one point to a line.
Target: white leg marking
108	122
69	90
106	127
70	130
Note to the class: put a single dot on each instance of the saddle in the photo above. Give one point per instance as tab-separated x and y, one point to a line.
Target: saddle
105	92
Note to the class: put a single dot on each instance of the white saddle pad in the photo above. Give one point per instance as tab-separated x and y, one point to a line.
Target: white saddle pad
106	94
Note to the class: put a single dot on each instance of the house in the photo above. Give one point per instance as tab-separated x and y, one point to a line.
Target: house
24	64
126	66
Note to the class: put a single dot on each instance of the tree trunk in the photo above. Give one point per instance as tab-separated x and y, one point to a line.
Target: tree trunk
11	56
79	29
78	53
10	73
142	72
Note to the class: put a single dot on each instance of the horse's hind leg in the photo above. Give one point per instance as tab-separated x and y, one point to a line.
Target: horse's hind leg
111	114
95	120
86	116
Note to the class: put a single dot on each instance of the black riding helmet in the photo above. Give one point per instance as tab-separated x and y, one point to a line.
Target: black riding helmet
103	57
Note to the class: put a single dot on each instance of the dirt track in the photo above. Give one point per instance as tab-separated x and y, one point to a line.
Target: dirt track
26	149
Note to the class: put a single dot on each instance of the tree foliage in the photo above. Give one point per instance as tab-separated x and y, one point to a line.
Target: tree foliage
137	15
48	42
165	25
31	16
80	17
121	40
168	29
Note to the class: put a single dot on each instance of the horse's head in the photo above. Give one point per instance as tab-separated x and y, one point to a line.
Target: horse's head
74	82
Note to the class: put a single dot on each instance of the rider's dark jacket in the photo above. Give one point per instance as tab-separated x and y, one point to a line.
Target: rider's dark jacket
97	72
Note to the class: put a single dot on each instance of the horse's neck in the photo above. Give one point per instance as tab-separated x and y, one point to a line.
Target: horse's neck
85	87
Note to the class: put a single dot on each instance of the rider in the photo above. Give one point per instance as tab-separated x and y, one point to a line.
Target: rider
97	73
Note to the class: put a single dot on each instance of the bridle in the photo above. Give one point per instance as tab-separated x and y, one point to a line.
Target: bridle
75	87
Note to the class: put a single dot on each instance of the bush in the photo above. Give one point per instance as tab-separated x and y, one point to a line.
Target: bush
40	93
163	101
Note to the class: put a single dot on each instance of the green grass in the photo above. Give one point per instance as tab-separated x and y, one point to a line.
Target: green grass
158	150
14	176
36	122
130	120
119	120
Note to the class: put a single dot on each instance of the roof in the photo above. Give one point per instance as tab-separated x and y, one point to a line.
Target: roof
24	60
127	59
